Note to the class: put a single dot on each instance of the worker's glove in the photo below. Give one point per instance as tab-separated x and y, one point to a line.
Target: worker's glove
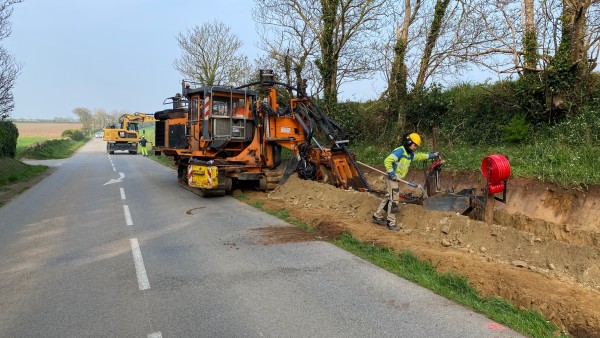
434	154
392	176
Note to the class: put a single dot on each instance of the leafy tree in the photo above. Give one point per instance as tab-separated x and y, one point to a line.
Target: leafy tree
85	118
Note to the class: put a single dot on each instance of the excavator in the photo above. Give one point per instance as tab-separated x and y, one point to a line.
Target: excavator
127	136
222	137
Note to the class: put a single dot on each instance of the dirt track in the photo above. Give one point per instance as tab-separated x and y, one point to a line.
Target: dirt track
542	252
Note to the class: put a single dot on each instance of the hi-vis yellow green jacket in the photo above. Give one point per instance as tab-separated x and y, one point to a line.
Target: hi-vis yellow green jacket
398	162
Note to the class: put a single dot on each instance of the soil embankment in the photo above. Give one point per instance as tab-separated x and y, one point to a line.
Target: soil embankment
542	252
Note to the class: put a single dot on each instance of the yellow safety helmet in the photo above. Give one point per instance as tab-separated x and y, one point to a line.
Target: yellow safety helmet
415	138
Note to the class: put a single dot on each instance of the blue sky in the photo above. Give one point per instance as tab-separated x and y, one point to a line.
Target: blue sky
111	54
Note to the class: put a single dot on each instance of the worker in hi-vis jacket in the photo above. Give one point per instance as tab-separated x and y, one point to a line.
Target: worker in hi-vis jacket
396	165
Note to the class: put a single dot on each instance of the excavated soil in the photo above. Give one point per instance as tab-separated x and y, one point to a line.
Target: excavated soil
542	250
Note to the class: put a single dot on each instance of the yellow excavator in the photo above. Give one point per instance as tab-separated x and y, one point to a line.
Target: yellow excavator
126	137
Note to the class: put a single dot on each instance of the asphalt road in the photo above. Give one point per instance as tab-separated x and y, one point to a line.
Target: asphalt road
110	246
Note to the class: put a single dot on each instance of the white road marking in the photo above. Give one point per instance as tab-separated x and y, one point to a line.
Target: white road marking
122	193
118	180
128	220
140	270
155	335
114	169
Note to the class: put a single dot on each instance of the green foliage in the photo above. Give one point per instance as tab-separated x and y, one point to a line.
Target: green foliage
426	109
580	130
73	134
476	113
362	120
528	95
8	139
517	129
508	117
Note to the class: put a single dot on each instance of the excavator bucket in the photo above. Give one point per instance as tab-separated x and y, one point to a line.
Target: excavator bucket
459	202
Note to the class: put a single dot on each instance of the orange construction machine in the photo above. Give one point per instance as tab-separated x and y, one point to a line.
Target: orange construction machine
223	137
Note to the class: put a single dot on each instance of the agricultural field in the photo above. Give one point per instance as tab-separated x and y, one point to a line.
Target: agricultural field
44	130
31	133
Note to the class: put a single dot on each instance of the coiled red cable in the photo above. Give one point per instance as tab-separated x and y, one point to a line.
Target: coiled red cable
497	167
495	188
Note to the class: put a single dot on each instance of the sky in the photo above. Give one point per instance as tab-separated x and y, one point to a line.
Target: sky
115	55
118	55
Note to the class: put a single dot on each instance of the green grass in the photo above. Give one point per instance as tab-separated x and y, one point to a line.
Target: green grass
555	163
566	166
449	285
49	149
164	160
24	142
12	171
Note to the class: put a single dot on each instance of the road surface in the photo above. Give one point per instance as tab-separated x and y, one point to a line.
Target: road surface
110	246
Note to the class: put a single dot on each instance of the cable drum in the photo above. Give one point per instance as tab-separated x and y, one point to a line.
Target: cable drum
497	167
496	188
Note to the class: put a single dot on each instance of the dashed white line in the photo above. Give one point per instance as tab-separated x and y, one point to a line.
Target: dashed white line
155	335
122	193
127	215
140	270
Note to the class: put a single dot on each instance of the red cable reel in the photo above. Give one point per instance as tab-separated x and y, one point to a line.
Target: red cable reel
496	170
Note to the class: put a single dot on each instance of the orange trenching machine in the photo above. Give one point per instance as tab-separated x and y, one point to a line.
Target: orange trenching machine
222	137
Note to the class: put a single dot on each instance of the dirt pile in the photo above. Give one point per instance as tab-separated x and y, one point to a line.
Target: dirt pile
542	252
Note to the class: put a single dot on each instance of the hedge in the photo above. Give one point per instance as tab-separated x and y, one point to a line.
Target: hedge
8	139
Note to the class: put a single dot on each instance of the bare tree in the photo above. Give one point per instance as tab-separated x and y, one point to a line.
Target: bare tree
527	34
210	55
335	34
427	37
9	68
397	83
289	42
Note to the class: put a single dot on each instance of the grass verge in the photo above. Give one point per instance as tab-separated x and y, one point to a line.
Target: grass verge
451	286
49	149
12	171
565	166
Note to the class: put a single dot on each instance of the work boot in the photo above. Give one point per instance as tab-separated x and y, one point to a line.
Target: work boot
393	227
379	221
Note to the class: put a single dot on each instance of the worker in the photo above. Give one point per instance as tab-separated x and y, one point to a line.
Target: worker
397	164
143	143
